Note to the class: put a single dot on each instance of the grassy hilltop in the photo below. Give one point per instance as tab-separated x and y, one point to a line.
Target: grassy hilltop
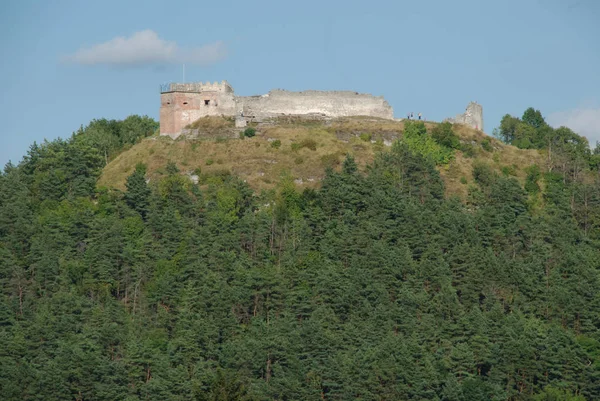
305	150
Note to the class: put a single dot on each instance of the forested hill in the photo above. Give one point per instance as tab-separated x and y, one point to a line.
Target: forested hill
377	284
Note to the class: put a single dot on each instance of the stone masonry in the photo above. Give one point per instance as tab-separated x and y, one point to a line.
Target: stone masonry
182	104
473	116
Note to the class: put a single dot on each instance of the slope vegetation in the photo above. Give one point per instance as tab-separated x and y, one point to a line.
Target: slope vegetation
305	150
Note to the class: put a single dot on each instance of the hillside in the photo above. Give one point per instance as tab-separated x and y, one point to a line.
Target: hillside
373	285
305	150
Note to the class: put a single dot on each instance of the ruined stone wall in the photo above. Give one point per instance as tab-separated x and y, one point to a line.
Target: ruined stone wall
473	116
331	104
178	109
182	104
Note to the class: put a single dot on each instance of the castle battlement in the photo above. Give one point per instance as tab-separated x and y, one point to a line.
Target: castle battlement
184	103
197	87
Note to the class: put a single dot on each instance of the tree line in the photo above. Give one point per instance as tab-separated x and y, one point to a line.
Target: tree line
373	287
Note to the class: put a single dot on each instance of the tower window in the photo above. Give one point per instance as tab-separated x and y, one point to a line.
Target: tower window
206	102
184	102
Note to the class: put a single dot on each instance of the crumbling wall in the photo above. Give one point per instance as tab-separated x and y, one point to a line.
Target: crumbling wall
178	109
473	116
328	103
182	104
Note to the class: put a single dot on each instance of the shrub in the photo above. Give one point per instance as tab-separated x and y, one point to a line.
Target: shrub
299	160
445	136
486	144
172	168
424	145
209	162
468	150
214	177
276	144
249	132
365	136
531	181
463	180
483	174
509	170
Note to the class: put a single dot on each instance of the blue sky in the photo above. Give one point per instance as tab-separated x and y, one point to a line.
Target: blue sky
64	64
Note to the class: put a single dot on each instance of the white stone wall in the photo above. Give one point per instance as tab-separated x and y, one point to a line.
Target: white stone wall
331	104
473	116
182	104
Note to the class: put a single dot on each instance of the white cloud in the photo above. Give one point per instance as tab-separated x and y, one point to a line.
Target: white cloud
145	47
584	121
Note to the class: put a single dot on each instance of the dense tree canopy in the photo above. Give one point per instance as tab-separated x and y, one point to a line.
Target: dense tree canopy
373	287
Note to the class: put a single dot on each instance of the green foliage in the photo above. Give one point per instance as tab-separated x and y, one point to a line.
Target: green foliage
138	193
209	162
445	136
110	137
249	132
555	394
365	136
509	170
172	168
533	118
276	144
533	176
418	141
468	150
374	286
486	144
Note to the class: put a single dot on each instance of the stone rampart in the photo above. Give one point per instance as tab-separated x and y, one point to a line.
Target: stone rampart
328	103
182	104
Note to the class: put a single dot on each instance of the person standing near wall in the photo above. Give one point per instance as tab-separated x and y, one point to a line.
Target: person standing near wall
419	116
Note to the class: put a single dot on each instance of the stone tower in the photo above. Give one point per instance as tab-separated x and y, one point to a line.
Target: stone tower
182	104
473	116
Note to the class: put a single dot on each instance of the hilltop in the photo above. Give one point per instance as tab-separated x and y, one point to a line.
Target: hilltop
305	149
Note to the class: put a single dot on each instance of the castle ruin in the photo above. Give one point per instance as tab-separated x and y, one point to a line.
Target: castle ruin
473	116
182	104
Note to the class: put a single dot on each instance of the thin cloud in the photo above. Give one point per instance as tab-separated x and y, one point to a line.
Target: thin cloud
584	121
145	48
